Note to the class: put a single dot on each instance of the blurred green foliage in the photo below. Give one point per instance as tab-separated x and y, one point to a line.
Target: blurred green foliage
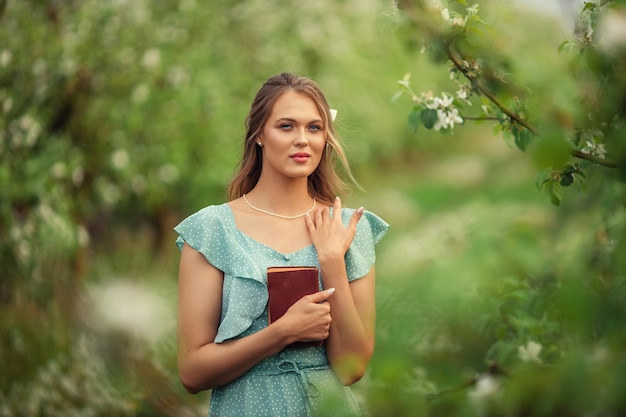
120	118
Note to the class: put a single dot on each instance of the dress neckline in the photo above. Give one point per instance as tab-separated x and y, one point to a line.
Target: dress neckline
233	221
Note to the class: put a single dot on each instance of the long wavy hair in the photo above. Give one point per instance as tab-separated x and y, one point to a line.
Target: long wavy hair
324	183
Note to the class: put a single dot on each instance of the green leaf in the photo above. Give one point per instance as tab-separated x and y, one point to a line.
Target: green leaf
589	5
542	178
429	118
414	119
567	179
564	45
554	191
522	136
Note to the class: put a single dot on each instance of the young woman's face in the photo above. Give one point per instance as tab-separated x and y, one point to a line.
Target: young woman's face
293	137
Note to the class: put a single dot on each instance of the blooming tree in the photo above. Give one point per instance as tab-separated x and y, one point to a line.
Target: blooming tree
570	124
559	95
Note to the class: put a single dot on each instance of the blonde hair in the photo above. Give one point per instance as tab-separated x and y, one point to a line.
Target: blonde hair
324	183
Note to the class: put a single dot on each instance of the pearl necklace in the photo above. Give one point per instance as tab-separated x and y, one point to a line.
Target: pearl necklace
279	215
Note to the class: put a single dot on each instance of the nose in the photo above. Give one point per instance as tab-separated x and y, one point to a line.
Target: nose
301	137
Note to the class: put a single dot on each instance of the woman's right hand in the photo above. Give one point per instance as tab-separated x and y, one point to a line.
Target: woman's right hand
309	318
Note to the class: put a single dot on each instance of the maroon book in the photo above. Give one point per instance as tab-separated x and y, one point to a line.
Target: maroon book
286	285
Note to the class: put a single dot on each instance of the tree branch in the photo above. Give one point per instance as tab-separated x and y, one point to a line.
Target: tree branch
478	86
480	118
494	369
514	116
595	159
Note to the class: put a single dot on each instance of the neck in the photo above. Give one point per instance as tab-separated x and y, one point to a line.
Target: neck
292	198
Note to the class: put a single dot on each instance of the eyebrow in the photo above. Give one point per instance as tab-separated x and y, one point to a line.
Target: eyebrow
288	119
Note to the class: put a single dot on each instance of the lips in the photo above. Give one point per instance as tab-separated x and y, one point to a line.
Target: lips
300	157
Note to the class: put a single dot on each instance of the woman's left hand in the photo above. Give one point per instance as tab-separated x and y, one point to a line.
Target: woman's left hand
329	235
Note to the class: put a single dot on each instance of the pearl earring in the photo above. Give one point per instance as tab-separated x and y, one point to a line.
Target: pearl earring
260	144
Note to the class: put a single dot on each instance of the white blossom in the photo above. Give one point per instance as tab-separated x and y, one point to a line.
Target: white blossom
447	113
593	148
530	352
457	21
486	386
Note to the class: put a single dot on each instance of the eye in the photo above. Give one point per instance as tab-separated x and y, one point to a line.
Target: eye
286	126
315	128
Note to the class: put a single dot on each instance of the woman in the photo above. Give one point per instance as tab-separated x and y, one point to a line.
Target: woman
282	211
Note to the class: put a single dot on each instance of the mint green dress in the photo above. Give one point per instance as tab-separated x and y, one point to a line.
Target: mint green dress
294	382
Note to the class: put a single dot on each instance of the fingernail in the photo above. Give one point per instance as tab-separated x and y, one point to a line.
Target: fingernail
337	198
330	291
360	210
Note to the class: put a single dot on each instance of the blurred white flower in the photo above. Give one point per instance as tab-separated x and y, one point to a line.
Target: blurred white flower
611	32
151	58
177	76
5	57
406	80
58	170
486	386
473	9
138	184
445	14
530	352
132	309
60	227
7	105
333	114
457	21
109	192
68	66
464	93
168	173
83	236
120	158
140	93
78	176
187	5
31	129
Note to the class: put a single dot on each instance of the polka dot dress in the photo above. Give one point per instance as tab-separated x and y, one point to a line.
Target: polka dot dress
294	382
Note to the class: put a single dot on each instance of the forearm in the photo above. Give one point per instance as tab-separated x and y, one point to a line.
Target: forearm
216	364
351	342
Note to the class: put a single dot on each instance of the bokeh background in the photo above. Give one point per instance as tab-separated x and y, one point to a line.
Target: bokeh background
119	118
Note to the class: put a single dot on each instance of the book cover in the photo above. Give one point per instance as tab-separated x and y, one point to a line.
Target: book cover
286	285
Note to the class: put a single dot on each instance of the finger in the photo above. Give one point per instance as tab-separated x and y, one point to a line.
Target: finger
309	222
326	213
337	208
320	296
318	216
356	216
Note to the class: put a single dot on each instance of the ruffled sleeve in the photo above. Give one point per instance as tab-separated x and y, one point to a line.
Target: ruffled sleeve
210	232
361	255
